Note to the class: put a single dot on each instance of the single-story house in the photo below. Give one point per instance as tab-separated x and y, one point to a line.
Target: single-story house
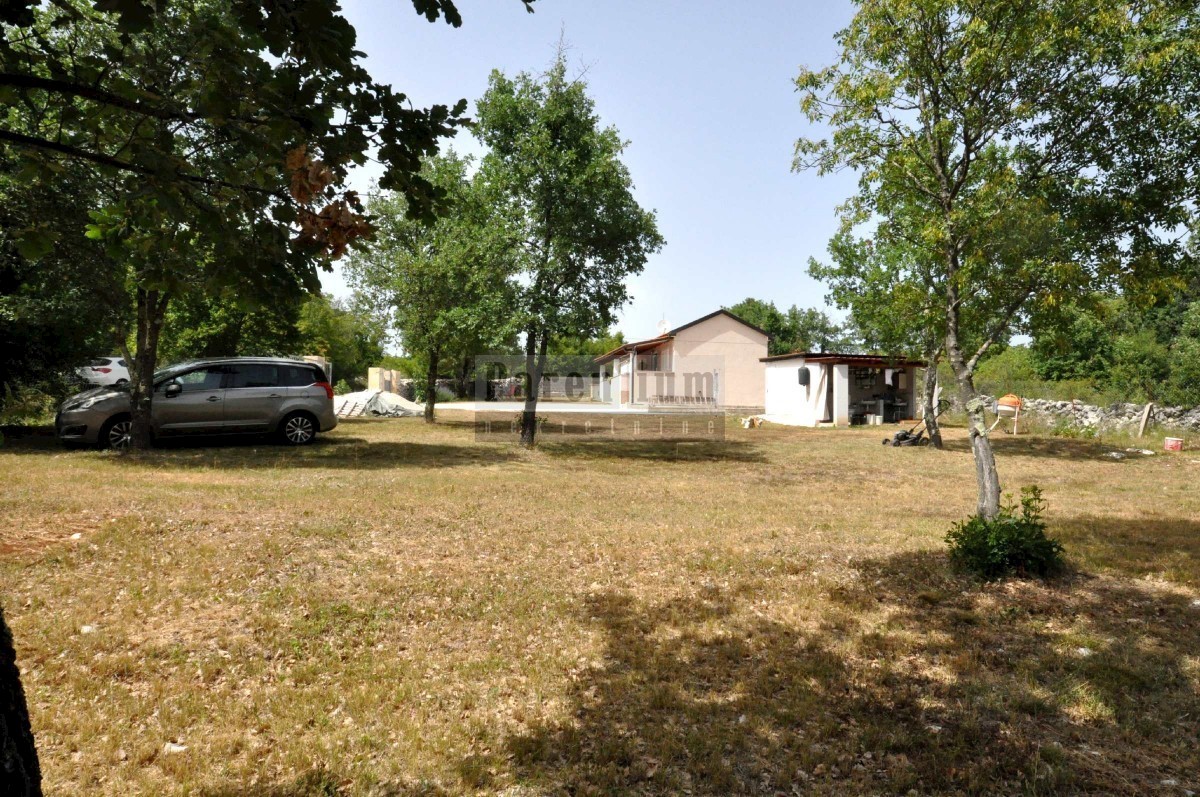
716	361
815	388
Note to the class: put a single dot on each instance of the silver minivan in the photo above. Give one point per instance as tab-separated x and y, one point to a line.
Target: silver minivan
290	398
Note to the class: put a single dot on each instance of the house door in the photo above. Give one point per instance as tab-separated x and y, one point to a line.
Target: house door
827	416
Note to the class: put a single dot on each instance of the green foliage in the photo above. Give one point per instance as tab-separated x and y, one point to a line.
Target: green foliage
1140	362
579	231
446	284
1077	343
59	304
213	140
1009	156
1011	364
1073	431
405	365
352	341
796	329
225	324
576	346
1183	384
1012	543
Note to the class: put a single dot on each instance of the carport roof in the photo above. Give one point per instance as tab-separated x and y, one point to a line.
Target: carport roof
641	345
835	358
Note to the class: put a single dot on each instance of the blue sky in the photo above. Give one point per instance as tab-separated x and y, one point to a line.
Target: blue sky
702	90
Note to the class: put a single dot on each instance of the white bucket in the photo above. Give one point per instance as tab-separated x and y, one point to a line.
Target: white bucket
1173	444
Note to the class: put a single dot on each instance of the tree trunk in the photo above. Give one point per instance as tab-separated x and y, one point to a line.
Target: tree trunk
933	427
986	475
151	310
535	363
431	385
20	775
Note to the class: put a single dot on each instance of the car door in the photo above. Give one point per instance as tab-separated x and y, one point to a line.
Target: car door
253	396
198	407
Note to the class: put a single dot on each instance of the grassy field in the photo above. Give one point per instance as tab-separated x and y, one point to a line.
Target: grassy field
400	610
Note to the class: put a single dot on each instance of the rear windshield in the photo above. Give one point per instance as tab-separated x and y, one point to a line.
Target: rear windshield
301	375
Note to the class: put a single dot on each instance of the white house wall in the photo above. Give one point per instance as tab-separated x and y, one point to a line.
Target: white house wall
728	341
790	401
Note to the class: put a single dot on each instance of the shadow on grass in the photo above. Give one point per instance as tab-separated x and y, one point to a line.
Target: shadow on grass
1048	447
321	782
1136	546
658	451
914	678
260	451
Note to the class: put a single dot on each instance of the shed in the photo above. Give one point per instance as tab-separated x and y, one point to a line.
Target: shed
829	388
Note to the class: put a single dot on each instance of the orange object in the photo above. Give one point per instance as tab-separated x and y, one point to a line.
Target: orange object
1009	401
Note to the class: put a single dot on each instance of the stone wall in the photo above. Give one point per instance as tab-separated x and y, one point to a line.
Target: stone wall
1114	416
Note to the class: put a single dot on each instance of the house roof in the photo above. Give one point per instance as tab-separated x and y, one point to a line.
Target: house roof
836	358
641	345
650	343
722	311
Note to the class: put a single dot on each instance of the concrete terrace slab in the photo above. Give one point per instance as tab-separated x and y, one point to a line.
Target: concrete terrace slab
594	408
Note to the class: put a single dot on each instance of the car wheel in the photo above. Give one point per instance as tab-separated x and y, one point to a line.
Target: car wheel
116	433
121	382
298	429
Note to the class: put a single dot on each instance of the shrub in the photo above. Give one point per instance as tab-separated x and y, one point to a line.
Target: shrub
1070	429
342	387
1014	542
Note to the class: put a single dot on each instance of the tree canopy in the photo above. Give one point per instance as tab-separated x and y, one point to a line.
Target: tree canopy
795	329
580	231
213	139
448	284
1020	151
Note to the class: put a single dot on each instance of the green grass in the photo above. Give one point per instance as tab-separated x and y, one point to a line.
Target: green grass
402	610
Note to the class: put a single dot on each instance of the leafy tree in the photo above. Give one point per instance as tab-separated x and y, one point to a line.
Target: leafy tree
225	325
351	340
1141	362
1183	360
581	232
794	330
217	134
1024	151
58	307
1075	340
447	282
576	346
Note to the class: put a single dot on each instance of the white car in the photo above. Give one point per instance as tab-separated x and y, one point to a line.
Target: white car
105	371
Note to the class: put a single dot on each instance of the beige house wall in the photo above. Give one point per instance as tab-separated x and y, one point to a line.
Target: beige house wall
738	347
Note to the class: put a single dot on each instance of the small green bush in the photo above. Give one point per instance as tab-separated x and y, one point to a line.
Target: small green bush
1072	430
1014	543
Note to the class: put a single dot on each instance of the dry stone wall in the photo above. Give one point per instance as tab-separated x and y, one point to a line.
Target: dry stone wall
1113	416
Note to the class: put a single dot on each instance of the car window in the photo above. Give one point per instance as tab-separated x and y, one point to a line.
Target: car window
99	361
121	363
297	375
201	379
255	375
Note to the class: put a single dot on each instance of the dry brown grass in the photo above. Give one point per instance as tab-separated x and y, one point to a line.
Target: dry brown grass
401	610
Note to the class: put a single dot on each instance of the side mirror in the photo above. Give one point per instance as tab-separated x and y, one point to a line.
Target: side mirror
172	389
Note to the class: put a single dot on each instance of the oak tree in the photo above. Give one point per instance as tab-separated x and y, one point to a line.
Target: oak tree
1032	149
581	232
